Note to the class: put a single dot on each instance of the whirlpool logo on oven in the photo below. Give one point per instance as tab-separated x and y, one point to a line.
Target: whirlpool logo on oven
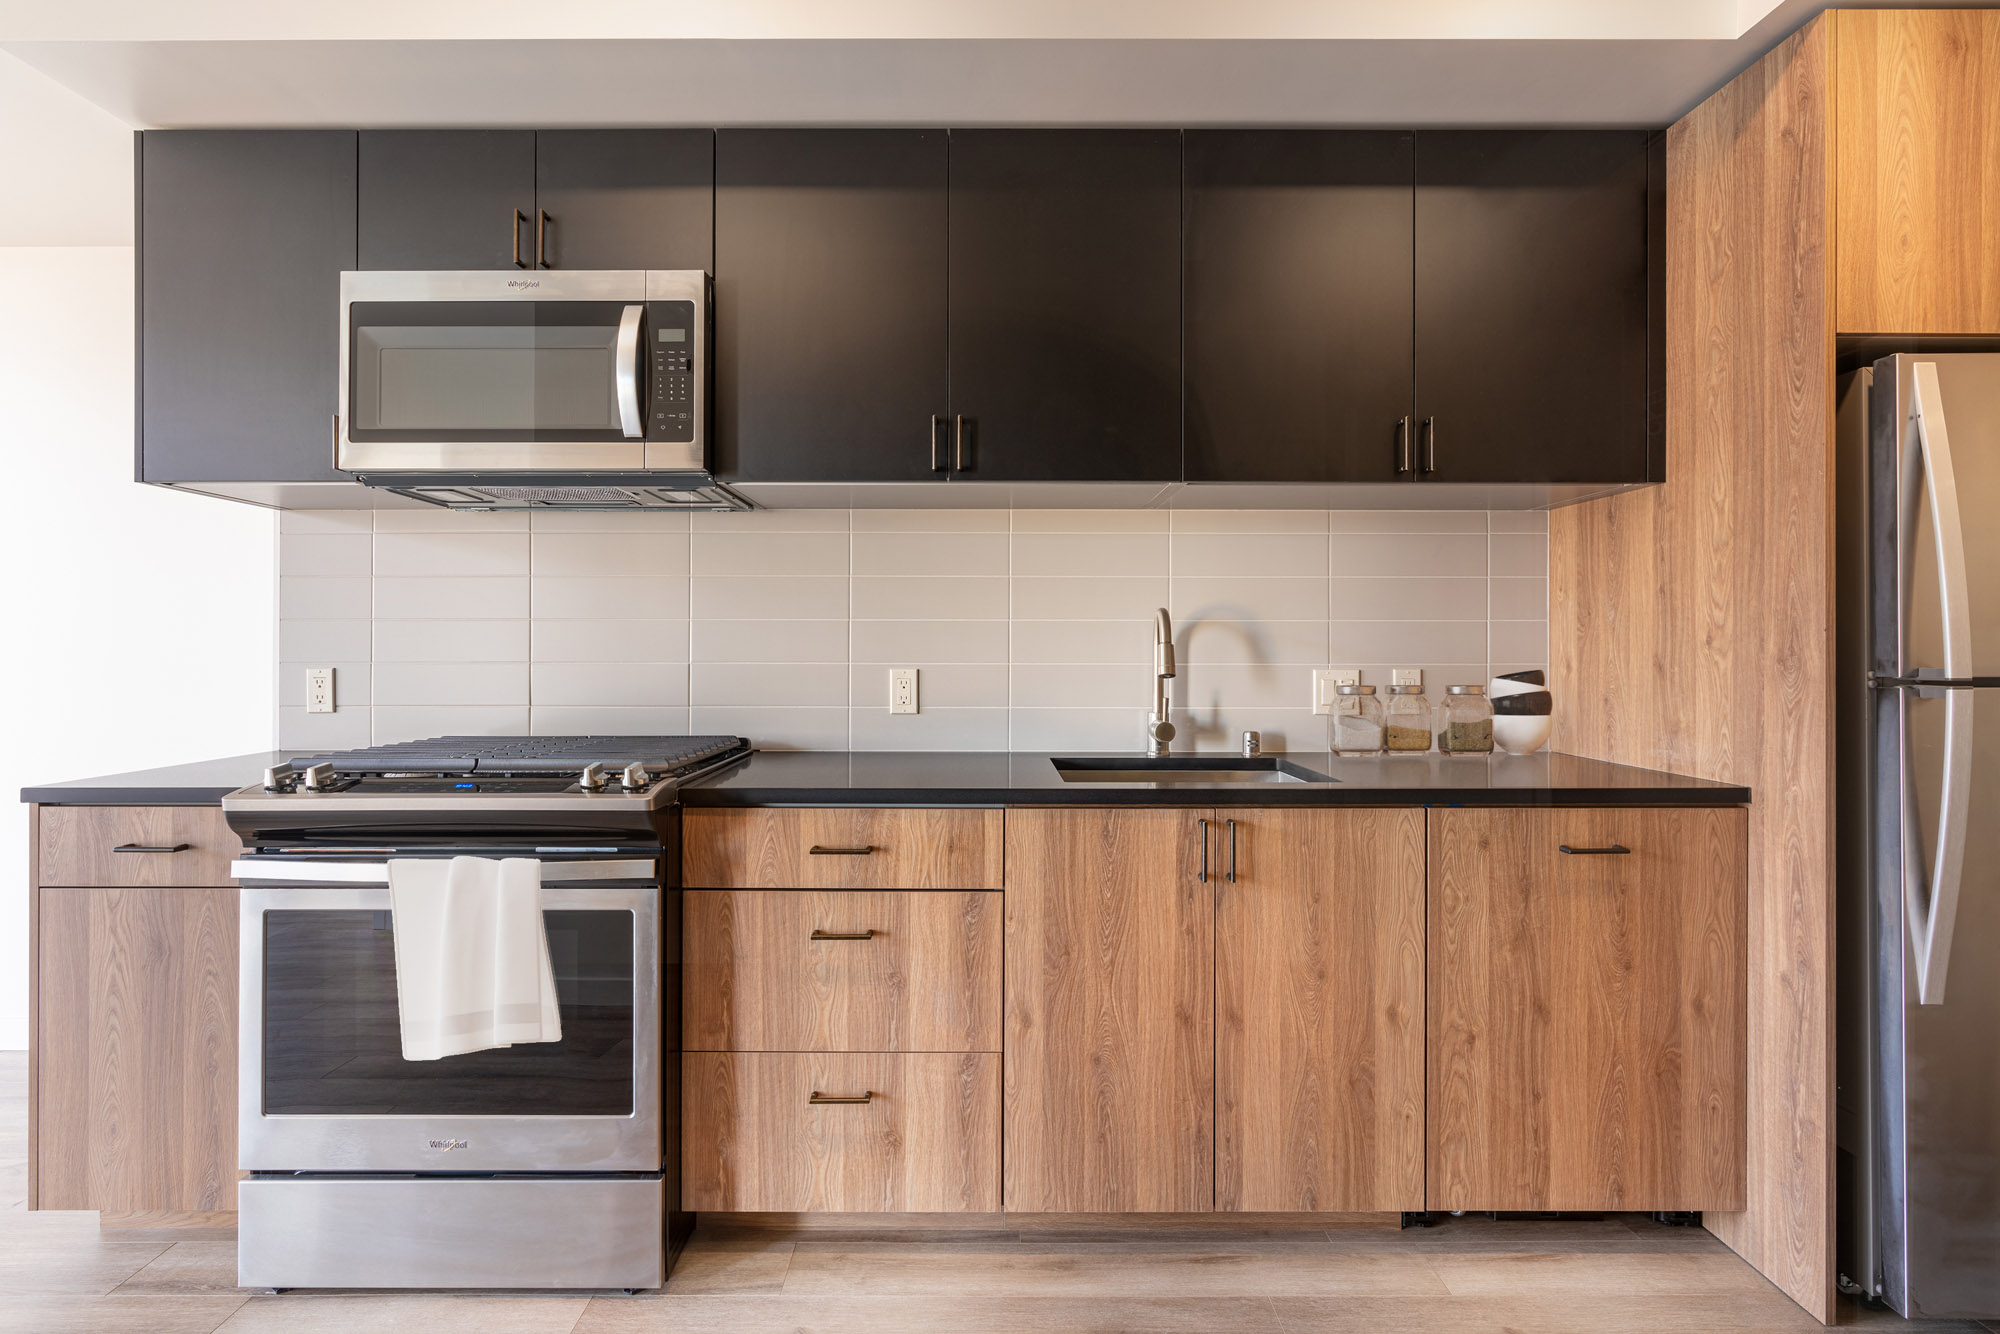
447	1145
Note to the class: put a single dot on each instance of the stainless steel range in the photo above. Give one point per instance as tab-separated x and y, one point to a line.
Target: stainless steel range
544	1165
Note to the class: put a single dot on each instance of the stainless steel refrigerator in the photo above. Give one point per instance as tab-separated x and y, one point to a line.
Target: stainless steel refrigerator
1918	831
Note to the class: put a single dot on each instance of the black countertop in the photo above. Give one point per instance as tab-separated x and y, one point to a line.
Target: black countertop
775	778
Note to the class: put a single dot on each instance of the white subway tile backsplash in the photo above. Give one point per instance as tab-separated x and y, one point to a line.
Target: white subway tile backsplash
1032	629
451	641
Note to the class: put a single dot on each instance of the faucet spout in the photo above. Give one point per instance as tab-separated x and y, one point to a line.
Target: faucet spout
1160	731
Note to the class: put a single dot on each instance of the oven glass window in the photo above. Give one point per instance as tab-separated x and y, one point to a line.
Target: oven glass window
333	1044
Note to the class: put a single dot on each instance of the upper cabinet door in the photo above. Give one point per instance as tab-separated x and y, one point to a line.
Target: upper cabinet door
1298	304
242	238
830	305
1917	204
447	199
1065	304
1531	331
625	199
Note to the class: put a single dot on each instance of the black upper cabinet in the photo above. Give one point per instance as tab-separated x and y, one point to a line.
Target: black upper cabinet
626	199
1065	304
242	238
447	199
1531	306
1298	271
830	304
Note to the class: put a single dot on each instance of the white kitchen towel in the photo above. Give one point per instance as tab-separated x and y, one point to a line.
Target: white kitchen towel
472	956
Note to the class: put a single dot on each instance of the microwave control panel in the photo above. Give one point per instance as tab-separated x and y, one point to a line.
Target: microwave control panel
674	368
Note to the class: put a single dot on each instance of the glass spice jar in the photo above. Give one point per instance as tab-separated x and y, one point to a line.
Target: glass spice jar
1356	726
1407	720
1465	721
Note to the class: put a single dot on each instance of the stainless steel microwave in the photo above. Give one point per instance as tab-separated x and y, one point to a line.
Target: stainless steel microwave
502	389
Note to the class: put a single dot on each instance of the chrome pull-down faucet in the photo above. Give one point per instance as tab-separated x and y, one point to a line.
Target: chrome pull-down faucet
1159	731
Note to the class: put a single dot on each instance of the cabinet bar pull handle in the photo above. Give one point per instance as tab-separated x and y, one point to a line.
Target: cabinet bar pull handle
1430	444
963	433
1232	852
939	432
542	221
816	850
1201	875
843	935
1403	461
819	1099
520	221
151	847
1615	850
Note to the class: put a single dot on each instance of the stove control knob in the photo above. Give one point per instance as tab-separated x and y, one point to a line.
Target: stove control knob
635	778
319	777
593	777
279	777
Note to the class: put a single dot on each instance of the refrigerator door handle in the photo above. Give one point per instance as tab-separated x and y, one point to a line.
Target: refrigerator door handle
1930	904
1931	447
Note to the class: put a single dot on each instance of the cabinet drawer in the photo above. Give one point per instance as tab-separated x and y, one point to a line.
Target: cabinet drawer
135	846
841	848
926	1140
791	970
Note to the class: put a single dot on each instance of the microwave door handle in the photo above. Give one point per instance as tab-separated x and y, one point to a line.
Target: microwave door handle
628	354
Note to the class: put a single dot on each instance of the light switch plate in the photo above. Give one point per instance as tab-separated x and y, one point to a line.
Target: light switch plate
1407	676
319	690
902	690
1327	680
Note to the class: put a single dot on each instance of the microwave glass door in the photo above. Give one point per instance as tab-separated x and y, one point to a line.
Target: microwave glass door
332	1042
508	371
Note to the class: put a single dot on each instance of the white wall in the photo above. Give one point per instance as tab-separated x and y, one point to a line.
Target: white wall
140	623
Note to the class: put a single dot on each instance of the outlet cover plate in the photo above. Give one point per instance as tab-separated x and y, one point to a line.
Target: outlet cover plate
319	690
902	690
1407	676
1326	680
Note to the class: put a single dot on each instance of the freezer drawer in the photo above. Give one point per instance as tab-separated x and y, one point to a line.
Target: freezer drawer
451	1232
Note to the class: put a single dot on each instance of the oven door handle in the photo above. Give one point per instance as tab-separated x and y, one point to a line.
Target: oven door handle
377	873
629	351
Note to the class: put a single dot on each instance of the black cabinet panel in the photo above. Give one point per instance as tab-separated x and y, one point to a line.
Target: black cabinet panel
446	199
1065	302
830	303
1531	301
242	238
626	199
1299	300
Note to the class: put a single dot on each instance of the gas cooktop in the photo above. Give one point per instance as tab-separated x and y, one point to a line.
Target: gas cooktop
524	755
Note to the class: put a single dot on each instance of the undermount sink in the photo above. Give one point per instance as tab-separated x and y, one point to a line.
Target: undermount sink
1189	770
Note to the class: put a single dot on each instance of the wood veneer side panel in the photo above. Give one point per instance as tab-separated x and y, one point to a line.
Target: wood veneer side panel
1691	624
34	1003
62	1149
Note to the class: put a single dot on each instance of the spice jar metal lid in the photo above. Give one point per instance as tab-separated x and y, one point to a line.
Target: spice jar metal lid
1355	690
1406	690
1465	690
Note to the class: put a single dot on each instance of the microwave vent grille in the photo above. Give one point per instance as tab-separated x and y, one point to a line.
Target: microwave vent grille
713	498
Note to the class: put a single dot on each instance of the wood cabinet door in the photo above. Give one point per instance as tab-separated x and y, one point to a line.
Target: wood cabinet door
447	199
242	238
830	304
135	1061
1532	305
1066	304
1109	1038
1917	193
625	199
1299	302
1587	1009
1319	987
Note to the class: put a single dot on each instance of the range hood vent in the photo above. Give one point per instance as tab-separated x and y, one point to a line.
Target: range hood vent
694	496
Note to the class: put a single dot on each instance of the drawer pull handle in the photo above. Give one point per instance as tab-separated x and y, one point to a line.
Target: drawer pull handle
151	847
1615	850
843	935
819	851
819	1099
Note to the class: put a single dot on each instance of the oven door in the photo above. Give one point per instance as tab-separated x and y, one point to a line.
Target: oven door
323	1086
476	370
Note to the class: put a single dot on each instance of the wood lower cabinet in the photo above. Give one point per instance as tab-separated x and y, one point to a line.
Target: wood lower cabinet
1110	1055
848	1132
1587	1009
134	1100
1319	1005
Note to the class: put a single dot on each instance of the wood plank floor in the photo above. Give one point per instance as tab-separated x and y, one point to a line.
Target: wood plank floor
60	1273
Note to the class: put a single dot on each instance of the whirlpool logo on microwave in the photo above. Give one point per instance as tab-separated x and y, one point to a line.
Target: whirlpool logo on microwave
447	1145
524	283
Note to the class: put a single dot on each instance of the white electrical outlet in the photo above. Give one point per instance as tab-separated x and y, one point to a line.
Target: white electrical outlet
902	690
1407	676
1326	684
319	690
